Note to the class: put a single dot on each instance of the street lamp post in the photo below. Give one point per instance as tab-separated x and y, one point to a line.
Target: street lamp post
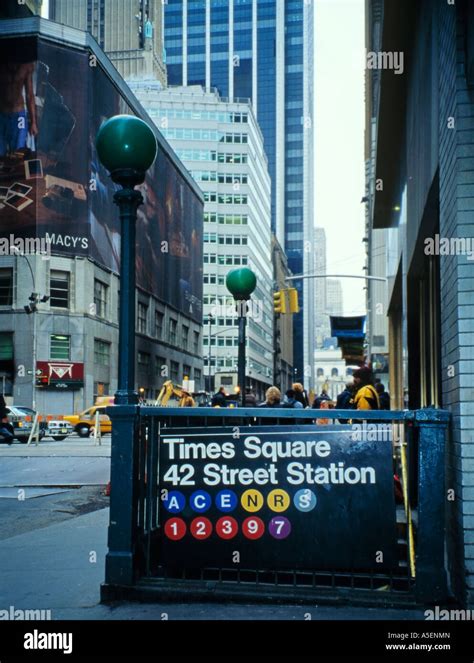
126	146
241	283
35	298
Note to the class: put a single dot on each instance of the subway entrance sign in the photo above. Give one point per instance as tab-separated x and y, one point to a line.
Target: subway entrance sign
277	497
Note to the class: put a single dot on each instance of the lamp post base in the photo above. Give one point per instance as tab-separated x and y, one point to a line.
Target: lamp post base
125	397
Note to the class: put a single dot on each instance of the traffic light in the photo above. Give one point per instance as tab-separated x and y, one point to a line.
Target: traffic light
293	300
279	301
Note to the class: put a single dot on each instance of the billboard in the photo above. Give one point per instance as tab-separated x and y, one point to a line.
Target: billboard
52	186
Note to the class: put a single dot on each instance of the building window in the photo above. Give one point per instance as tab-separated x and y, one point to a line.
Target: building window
196	342
158	324
197	377
7	367
174	371
100	298
6	287
186	372
60	347
173	325
142	314
101	352
59	289
101	389
185	337
334	373
143	359
319	373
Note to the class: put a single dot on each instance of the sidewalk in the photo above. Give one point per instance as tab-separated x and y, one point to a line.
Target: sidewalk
55	569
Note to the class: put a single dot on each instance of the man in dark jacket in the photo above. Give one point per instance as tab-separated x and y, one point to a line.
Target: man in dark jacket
250	398
6	432
219	399
323	396
343	401
384	396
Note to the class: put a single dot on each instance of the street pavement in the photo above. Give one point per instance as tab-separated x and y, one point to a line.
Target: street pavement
53	542
54	463
60	568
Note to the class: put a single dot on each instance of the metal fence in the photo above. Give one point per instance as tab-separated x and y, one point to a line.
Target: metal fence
135	570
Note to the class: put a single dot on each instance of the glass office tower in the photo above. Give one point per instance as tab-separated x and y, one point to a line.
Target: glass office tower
262	50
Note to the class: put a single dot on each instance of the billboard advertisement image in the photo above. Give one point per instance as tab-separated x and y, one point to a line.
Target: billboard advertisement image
53	188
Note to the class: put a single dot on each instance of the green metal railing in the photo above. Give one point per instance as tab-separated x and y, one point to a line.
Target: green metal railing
133	565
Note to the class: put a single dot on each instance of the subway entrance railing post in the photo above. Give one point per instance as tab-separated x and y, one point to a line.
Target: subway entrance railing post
339	541
431	582
126	146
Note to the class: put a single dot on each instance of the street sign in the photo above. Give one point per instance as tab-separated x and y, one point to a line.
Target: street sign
278	498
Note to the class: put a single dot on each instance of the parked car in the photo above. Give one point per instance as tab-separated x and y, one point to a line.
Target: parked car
22	422
59	429
32	413
85	421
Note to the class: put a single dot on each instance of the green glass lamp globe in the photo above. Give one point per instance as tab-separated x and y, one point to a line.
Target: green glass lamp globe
241	282
125	142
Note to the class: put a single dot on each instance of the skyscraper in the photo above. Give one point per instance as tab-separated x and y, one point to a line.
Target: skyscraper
321	329
262	51
334	297
223	152
129	32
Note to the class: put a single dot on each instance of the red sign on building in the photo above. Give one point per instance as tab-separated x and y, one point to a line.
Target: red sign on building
60	374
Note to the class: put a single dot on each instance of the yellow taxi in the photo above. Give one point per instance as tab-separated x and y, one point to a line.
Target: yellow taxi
85	421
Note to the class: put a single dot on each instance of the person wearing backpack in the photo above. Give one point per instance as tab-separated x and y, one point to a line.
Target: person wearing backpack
291	401
344	400
366	396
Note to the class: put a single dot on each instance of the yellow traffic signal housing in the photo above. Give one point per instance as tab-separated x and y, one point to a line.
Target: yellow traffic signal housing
279	301
293	300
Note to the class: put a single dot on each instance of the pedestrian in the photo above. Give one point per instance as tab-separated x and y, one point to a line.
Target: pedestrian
220	398
344	400
250	398
366	397
384	396
6	429
323	396
290	400
272	398
301	394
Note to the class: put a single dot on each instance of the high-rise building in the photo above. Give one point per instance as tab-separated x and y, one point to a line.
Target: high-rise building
130	32
221	145
59	288
334	297
321	327
262	51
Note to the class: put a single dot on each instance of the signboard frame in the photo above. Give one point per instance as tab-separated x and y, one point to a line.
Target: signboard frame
279	511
